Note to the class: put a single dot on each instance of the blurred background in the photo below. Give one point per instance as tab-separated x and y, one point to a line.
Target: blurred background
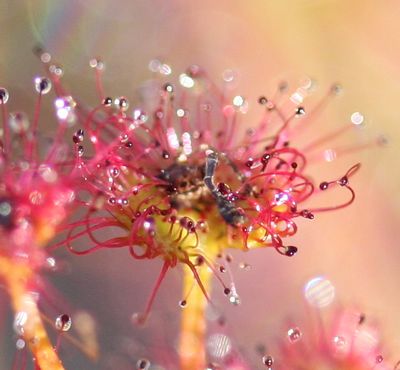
355	43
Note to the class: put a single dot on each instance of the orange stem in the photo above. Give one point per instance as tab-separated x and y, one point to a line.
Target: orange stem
193	322
16	276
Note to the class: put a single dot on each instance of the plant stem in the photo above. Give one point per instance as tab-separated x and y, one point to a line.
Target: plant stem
17	277
193	322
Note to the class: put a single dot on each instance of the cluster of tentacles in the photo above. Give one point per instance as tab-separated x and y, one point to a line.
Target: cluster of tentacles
178	174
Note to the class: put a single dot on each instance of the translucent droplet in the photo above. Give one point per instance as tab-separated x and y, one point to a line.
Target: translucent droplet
154	65
165	69
357	118
65	107
180	112
186	81
18	122
379	359
182	303
300	111
138	318
219	345
80	151
168	88
244	266
42	85
330	155
339	341
123	202
4	95
319	292
294	334
97	63
121	103
45	57
238	101
107	101
63	322
47	173
229	75
143	364
20	320
234	299
78	136
56	70
113	171
268	360
20	344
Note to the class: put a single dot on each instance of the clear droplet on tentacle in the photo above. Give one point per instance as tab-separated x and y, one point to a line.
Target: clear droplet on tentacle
63	322
4	95
143	364
42	85
294	335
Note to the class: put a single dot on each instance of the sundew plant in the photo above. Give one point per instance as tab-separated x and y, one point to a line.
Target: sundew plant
180	176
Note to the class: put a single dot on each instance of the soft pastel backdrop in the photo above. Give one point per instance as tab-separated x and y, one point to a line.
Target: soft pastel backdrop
354	42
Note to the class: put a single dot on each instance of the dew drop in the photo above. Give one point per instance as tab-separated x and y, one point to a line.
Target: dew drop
122	103
357	118
80	151
138	318
238	101
324	185
123	202
182	303
262	100
300	111
379	359
97	63
56	70
65	109
186	81
143	364
42	85
168	88
45	57
294	335
268	360
63	322
219	345
107	101
319	292
78	136
290	251
20	320
343	181
229	75
4	95
113	171
339	341
244	266
234	299
20	344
